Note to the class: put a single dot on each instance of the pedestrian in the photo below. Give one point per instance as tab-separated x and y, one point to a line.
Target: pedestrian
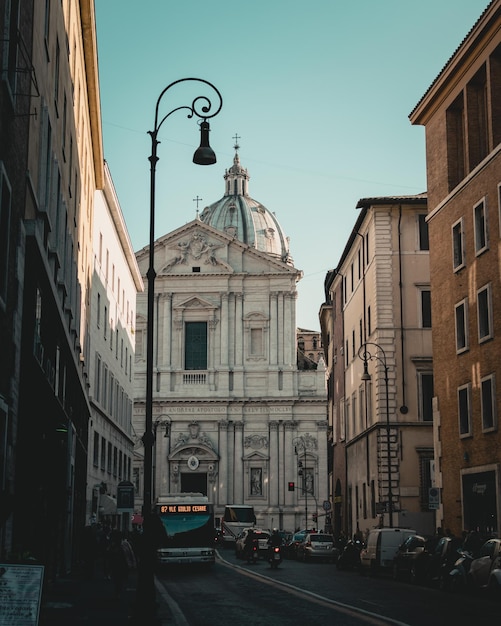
119	566
89	549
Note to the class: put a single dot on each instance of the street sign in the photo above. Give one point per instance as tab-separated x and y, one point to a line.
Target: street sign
433	498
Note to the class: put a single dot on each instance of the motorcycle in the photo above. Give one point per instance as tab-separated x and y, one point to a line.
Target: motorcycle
275	557
350	556
458	578
253	552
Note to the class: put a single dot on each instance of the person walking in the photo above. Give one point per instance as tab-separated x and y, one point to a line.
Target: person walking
119	559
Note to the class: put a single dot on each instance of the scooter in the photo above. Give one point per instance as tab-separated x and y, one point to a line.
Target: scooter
253	552
350	556
458	578
275	557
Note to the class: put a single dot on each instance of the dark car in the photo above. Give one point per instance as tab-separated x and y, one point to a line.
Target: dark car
411	559
442	556
293	543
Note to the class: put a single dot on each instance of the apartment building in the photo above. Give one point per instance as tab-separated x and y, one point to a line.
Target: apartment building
115	283
461	113
376	323
51	163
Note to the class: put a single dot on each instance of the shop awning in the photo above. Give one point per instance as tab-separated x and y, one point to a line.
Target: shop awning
107	505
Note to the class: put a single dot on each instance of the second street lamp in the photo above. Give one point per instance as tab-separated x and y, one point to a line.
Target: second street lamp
378	354
202	108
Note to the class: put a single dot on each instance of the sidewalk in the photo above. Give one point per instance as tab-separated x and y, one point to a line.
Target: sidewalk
75	600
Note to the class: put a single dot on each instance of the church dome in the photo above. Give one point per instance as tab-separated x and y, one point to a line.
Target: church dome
239	216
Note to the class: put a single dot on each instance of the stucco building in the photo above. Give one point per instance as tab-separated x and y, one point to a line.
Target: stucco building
377	310
115	283
461	113
52	145
233	415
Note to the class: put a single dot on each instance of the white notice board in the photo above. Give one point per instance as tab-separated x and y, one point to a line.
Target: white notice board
20	594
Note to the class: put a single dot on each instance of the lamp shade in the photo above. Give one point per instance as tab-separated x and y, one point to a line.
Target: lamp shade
204	154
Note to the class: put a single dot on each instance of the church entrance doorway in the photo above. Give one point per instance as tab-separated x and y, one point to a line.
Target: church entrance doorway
194	482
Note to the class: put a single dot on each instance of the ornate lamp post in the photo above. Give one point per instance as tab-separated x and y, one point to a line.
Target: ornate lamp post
202	107
366	355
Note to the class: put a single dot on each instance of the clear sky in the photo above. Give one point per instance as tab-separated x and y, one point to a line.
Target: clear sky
319	93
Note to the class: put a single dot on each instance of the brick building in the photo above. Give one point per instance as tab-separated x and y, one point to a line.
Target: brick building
461	113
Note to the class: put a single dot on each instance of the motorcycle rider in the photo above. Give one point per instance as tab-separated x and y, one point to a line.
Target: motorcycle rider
275	541
249	540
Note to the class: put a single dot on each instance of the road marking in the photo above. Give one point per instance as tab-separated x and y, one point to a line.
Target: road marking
368	616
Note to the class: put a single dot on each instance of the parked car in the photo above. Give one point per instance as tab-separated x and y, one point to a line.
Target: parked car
262	537
411	559
485	570
317	546
382	545
441	561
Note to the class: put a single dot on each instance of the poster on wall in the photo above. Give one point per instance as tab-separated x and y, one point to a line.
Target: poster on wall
20	594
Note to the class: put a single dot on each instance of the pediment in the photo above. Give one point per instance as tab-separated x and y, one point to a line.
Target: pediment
256	456
194	248
195	302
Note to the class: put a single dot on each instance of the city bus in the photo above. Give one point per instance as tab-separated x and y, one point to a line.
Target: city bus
236	517
187	531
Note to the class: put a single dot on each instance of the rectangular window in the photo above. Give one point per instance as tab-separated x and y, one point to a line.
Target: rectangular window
109	458
461	318
425	387
488	403
5	216
424	241
103	453
425	308
477	118
458	245
480	226
97	379
195	355
95	455
342	419
484	312
464	411
455	123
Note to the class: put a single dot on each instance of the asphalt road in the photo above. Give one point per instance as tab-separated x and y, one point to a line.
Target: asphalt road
233	592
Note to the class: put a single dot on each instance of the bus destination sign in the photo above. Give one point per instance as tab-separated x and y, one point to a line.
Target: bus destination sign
183	508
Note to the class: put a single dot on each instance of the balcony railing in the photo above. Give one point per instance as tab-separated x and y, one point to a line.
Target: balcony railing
195	378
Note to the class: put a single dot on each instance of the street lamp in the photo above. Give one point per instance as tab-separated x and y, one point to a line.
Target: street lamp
202	107
366	355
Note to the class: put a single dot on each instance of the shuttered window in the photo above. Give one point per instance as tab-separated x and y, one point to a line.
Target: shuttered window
195	356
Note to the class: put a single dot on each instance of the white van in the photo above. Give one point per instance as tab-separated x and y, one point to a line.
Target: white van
382	545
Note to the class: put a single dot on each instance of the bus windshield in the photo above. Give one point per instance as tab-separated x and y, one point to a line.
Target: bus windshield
186	529
242	514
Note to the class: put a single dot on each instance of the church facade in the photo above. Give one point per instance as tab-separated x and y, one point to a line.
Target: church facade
233	416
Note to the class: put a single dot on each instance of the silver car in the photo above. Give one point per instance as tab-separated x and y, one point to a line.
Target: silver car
317	546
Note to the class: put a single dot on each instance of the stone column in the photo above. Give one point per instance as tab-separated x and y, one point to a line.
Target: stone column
275	476
282	329
239	465
167	329
290	460
224	329
274	328
239	329
222	479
